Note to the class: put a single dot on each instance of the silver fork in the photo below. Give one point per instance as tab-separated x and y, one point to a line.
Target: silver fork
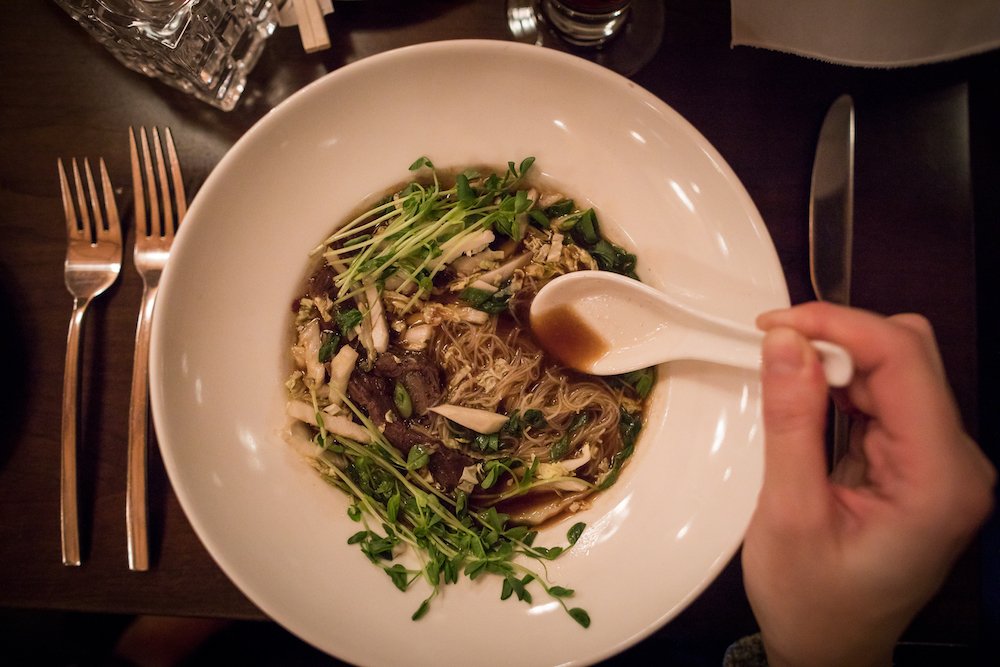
153	238
93	262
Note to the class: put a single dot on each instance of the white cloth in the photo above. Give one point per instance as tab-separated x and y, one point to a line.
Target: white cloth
869	33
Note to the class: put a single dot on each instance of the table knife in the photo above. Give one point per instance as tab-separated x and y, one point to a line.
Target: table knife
831	222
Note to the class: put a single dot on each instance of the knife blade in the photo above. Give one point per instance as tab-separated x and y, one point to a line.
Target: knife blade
831	224
831	205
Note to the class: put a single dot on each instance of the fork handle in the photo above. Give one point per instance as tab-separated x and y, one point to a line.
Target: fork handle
68	495
136	496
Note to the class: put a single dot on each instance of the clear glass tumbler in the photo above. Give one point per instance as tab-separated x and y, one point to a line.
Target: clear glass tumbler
203	47
586	22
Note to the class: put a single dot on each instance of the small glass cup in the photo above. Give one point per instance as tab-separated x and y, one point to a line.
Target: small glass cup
625	42
203	47
587	22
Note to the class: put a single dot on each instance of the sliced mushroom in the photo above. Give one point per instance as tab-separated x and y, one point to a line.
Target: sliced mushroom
335	424
480	421
506	270
341	367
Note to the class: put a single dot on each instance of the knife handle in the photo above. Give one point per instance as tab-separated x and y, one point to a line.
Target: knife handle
841	435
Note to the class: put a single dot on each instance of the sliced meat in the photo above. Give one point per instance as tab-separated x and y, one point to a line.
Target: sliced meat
401	436
373	394
425	391
444	276
419	375
321	282
446	466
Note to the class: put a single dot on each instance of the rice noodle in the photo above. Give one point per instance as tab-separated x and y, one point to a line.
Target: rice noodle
506	371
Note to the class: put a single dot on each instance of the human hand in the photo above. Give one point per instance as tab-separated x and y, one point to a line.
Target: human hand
836	567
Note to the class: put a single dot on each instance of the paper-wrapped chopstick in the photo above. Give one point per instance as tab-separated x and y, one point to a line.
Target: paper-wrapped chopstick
308	16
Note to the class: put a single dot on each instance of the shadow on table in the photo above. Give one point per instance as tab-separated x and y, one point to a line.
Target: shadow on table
13	367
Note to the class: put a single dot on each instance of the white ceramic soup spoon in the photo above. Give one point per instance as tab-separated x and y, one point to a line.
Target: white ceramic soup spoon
603	323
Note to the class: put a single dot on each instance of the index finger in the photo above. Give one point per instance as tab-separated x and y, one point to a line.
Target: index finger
900	379
869	337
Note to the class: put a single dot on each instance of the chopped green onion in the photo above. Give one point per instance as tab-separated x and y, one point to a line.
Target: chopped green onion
401	397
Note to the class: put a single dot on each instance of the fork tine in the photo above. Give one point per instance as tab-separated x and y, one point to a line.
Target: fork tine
114	227
180	199
95	202
141	220
88	231
72	222
154	228
161	172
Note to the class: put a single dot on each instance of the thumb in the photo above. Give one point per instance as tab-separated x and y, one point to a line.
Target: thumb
795	406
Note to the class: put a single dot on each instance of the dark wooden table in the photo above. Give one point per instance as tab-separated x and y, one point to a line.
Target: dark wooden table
926	179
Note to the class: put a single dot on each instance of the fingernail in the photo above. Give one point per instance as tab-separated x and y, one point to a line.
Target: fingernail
783	352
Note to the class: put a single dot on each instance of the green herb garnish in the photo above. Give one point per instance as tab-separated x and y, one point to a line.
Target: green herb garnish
397	506
486	443
424	227
486	301
560	208
347	320
629	425
640	381
328	347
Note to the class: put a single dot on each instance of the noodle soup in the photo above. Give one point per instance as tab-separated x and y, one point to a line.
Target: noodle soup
421	391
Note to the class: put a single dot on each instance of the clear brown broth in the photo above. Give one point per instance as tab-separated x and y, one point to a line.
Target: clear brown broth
568	337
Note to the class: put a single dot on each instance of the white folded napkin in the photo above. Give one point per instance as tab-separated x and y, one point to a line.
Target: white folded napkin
869	33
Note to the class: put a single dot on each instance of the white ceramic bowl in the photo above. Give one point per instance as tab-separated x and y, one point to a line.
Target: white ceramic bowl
655	540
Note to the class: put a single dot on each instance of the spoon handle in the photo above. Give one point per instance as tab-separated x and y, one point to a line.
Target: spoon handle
838	367
739	345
